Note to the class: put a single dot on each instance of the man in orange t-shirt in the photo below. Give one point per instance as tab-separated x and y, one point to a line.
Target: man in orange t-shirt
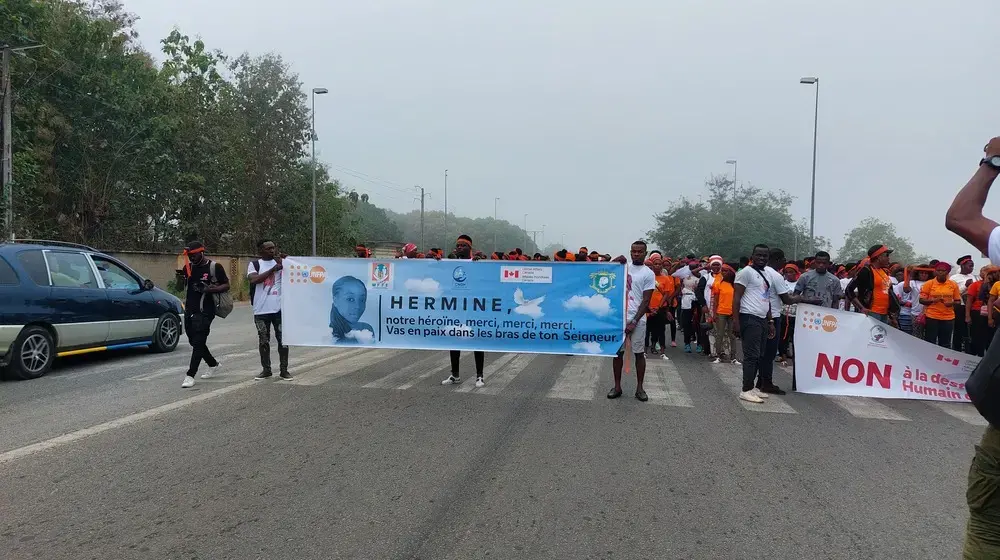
722	304
940	295
659	303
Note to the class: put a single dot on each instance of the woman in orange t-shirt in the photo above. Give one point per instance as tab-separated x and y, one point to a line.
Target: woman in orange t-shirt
940	295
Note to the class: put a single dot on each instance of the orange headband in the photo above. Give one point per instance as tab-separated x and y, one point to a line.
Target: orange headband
464	242
187	264
879	251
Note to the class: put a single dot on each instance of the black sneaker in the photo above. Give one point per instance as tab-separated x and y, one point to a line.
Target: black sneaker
772	389
614	393
285	375
641	395
263	375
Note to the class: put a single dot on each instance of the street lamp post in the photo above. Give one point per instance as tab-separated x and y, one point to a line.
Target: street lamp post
315	92
733	163
812	198
525	231
496	201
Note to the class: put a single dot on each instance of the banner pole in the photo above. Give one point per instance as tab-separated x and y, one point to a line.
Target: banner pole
628	354
793	372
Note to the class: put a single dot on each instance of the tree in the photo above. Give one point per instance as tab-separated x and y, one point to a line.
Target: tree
369	224
708	226
482	231
874	231
113	151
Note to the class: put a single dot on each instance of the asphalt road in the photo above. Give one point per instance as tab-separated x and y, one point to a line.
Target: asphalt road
366	455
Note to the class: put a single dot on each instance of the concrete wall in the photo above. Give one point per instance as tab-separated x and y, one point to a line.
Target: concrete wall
161	267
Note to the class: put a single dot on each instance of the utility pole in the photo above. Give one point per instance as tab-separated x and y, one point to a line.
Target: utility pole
534	237
6	138
446	202
7	157
422	195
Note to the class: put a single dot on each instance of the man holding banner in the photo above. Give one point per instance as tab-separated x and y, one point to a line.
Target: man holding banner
463	251
639	285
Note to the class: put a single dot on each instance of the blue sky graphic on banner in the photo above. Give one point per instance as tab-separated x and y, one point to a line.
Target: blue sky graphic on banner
501	306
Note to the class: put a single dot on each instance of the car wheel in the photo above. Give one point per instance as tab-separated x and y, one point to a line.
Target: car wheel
168	333
34	353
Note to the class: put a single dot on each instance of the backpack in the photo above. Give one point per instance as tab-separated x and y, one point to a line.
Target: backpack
983	384
253	287
223	300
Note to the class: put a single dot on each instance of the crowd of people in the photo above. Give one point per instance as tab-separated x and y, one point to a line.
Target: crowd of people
713	303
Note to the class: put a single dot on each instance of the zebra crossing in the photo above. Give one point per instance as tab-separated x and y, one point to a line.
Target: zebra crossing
582	378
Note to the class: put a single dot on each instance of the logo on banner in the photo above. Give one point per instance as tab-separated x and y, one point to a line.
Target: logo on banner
878	336
815	321
381	276
952	361
602	282
317	274
459	276
526	274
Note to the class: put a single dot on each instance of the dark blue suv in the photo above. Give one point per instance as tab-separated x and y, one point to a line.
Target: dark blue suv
60	299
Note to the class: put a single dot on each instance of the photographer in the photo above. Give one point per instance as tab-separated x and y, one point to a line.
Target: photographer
199	307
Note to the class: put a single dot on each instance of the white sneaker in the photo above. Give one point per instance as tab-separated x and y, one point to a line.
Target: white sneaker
452	380
736	363
750	396
664	356
210	372
188	382
761	394
480	383
717	361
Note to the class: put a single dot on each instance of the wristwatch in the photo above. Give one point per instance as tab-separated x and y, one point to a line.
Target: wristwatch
992	161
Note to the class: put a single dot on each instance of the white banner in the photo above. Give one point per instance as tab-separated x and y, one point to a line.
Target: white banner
842	353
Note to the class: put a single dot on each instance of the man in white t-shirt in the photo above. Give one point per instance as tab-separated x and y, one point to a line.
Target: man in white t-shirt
639	285
753	320
265	275
965	218
758	293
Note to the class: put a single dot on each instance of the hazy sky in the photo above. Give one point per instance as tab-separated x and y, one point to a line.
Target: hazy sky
591	115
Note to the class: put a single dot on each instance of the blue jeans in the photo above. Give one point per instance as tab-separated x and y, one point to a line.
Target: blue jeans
906	323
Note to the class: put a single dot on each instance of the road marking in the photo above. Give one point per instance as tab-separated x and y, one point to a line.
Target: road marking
77	435
447	364
71	437
965	412
347	363
167	372
732	377
664	385
578	379
499	373
434	362
866	407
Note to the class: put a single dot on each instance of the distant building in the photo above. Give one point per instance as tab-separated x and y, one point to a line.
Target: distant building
385	249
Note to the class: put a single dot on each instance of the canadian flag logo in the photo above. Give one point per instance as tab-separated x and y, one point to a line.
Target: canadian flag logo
507	273
952	361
